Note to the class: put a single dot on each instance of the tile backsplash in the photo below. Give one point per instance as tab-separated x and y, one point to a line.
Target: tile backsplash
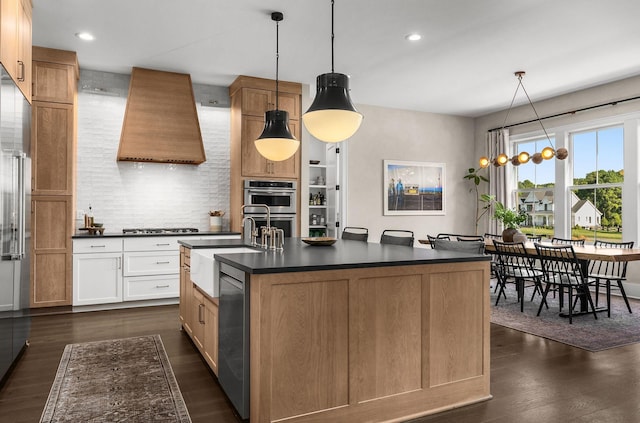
130	194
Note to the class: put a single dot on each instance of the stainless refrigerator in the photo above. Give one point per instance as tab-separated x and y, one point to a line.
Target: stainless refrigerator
15	234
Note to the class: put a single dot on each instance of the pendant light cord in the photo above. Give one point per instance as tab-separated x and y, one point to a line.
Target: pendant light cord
332	36
520	84
277	59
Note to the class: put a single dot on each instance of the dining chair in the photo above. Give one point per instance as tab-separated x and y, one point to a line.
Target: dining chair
562	241
534	238
515	264
608	272
444	236
563	270
487	235
474	247
469	238
397	237
431	240
355	233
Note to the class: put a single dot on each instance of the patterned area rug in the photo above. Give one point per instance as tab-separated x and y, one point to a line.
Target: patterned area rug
622	328
120	380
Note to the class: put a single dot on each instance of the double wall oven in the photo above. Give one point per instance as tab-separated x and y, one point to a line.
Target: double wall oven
280	196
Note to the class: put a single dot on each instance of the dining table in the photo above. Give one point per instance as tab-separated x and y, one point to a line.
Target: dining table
584	254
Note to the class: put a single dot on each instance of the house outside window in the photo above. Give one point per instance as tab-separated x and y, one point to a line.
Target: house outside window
535	189
598	175
594	203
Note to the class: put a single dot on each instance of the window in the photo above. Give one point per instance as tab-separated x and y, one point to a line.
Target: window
535	189
596	193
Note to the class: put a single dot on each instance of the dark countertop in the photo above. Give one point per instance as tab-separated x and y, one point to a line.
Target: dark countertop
300	257
121	235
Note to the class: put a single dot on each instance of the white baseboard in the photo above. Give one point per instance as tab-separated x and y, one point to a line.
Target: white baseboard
127	304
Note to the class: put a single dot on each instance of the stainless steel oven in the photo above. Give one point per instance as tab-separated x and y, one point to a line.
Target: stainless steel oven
286	222
280	196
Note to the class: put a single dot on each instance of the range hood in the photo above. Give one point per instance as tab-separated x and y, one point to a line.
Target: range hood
160	121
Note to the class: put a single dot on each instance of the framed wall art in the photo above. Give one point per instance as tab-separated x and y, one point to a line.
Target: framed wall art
413	188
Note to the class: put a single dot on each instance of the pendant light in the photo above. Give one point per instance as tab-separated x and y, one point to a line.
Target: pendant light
276	143
524	157
332	117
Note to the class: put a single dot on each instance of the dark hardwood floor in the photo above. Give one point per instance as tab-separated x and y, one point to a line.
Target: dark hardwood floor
532	379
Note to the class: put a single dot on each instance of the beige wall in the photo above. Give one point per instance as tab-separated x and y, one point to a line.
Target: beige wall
413	136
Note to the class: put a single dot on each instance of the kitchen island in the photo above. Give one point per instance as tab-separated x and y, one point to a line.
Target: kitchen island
359	332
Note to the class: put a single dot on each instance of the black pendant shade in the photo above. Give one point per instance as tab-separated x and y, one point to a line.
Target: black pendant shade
276	143
332	116
332	92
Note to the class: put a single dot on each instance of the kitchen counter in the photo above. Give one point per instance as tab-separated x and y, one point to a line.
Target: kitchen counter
121	235
360	331
344	254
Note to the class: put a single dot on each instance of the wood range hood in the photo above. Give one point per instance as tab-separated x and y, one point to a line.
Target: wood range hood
161	122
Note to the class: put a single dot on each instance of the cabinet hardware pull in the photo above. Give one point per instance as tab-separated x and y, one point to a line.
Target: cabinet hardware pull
119	263
200	318
163	286
98	246
21	65
162	245
163	262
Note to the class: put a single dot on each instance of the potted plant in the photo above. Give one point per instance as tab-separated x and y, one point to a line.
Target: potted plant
475	177
511	220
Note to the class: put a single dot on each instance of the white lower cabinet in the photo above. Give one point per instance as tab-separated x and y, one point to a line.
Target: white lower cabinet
113	269
151	287
97	278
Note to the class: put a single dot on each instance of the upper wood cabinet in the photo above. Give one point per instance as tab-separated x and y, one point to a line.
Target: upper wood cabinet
53	82
15	42
250	99
52	128
255	102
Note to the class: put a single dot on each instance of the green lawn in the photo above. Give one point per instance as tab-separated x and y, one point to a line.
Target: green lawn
585	234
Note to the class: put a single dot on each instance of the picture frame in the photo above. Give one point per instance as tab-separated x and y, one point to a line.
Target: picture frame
413	188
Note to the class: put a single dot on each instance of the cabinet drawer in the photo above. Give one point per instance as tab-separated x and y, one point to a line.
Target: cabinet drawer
97	245
151	287
152	243
151	263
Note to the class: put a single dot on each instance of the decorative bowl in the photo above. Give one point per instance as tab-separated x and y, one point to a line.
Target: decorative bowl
320	241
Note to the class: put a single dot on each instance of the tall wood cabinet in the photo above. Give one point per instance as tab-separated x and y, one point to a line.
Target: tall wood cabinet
250	99
53	146
15	42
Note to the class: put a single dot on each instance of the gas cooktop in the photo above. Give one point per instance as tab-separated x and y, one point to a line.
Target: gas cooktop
146	231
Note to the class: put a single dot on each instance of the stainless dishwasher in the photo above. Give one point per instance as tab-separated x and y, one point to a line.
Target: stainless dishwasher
233	342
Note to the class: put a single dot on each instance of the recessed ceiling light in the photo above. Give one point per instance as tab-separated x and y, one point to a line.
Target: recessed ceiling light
413	37
85	36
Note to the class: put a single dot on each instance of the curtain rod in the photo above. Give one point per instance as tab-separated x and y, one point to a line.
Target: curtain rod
611	103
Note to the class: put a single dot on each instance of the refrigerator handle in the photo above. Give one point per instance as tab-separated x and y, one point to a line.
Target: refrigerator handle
20	245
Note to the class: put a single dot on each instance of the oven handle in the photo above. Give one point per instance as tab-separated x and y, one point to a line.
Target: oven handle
278	192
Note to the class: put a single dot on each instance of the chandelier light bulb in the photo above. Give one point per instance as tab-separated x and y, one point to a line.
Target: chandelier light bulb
523	157
484	162
502	159
515	161
548	153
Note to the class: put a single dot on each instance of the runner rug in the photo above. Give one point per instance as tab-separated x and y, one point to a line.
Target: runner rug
120	380
622	328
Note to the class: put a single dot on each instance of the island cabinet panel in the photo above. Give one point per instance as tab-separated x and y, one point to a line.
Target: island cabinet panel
309	347
369	344
455	355
388	332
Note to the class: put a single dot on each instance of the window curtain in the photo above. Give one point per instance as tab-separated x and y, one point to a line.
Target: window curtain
499	186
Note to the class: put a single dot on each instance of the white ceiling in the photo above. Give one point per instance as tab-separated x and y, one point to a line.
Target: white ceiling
463	65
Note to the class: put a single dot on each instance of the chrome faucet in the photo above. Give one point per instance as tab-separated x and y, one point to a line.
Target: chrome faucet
254	233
